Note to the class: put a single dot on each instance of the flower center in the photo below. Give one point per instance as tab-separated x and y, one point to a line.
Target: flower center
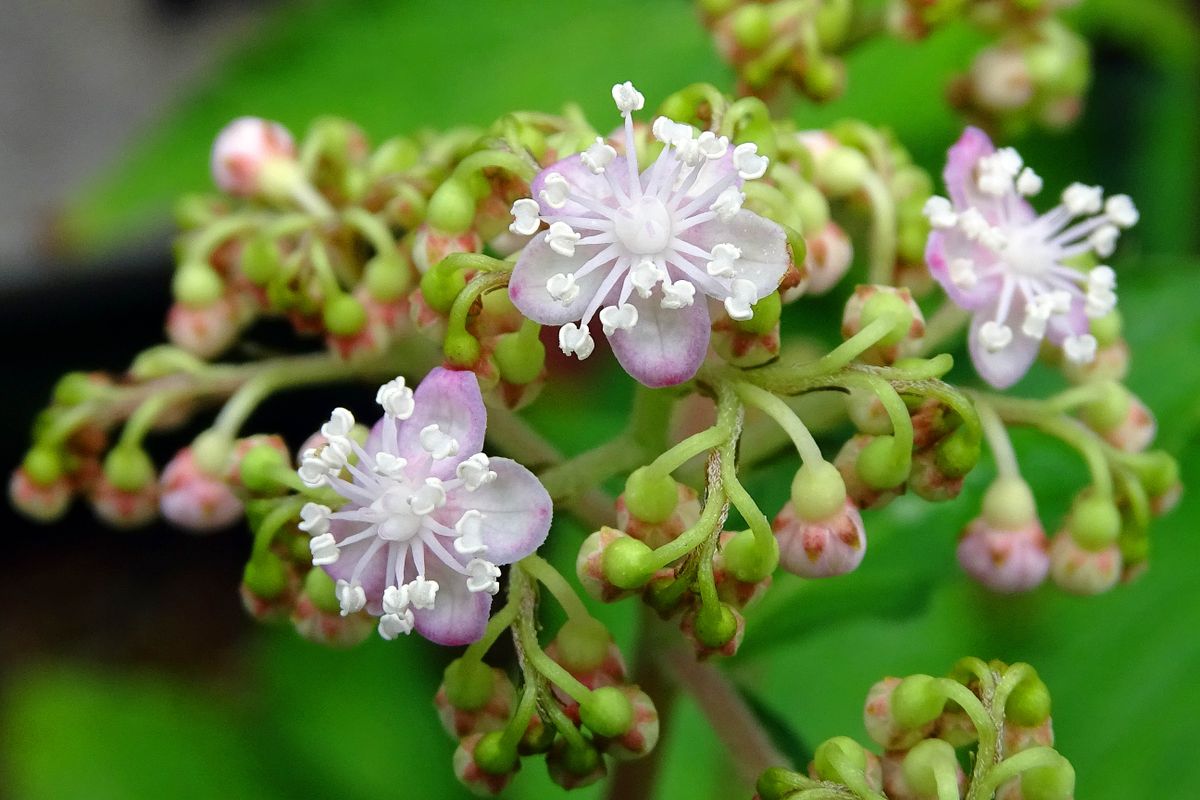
644	226
1028	253
398	521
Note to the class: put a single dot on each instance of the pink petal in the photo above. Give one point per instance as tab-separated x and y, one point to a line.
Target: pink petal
667	345
582	181
536	264
765	254
959	176
945	246
1004	367
516	511
459	616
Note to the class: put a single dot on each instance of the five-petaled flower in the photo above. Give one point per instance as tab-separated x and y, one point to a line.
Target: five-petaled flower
643	251
1015	270
428	518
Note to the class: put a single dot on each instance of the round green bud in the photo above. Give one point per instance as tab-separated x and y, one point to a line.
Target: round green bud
1095	522
493	756
650	497
319	586
197	285
441	286
43	465
580	760
538	738
812	207
958	453
193	211
880	466
606	712
452	207
1158	471
715	625
717	8
260	261
798	247
748	559
885	305
395	155
582	644
923	763
519	358
265	575
917	701
73	389
818	491
1008	504
461	348
212	452
752	26
822	78
1134	545
1107	329
1029	703
260	467
842	171
764	315
344	315
910	243
159	361
1051	782
387	277
129	468
626	563
835	755
1109	409
469	683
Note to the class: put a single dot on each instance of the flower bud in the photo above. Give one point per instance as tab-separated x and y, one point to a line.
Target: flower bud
269	587
742	348
474	698
195	500
589	565
469	772
656	529
1094	522
923	764
642	735
205	332
929	481
1000	79
44	501
881	722
626	563
317	616
1110	364
714	630
1004	561
1052	782
1022	737
430	246
742	567
1083	571
244	149
867	412
1134	431
126	494
521	359
839	758
857	489
606	712
841	171
584	647
574	767
871	303
820	548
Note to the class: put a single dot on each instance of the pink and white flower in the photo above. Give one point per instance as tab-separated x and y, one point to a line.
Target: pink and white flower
429	518
642	251
996	257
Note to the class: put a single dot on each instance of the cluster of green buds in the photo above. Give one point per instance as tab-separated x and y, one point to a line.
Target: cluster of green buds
982	732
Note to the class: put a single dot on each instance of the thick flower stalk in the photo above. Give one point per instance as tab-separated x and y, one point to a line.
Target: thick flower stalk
642	251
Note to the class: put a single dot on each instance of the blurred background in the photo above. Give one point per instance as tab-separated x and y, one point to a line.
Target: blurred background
127	666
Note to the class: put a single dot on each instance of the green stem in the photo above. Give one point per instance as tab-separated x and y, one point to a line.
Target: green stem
519	723
686	450
200	248
998	441
485	159
142	418
274	521
497	625
1013	766
371	227
852	777
532	651
785	417
902	427
553	580
883	230
481	283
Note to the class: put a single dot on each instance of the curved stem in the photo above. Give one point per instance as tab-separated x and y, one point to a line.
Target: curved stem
1013	766
497	625
687	449
553	580
883	230
785	417
998	441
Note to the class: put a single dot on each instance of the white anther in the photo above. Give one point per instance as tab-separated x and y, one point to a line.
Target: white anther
324	549
723	257
393	625
645	275
482	576
627	98
555	190
351	598
526	217
742	295
475	472
679	294
396	399
1099	302
562	287
340	423
422	593
995	336
940	213
336	453
575	340
993	239
728	203
389	465
749	163
1029	182
470	534
598	156
1101	277
314	519
688	151
562	239
1037	315
962	273
1120	209
1104	240
712	146
1061	301
395	599
1080	349
618	318
993	178
1081	199
438	444
973	224
313	471
1008	161
427	497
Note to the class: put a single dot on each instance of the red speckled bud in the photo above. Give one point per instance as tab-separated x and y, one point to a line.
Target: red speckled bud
1005	561
121	508
493	715
881	725
686	514
641	738
430	246
589	565
194	500
472	776
205	332
1083	571
243	148
857	490
820	548
330	628
44	503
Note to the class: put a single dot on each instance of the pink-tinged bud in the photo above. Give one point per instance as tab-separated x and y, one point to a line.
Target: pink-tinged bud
573	769
330	628
955	726
1164	502
1135	431
1018	737
589	565
928	481
42	502
492	715
205	332
1083	571
269	590
430	246
194	500
642	736
1004	561
688	627
122	508
827	260
868	304
655	535
820	548
243	149
929	423
474	777
895	784
737	593
743	348
691	415
857	489
233	474
872	771
424	318
1000	79
1110	364
880	723
611	670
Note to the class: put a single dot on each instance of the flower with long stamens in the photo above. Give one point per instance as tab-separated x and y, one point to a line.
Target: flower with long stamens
1013	268
428	518
641	252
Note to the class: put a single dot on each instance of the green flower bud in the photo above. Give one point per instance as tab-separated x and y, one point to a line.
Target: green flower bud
1095	522
752	26
880	466
1158	471
917	701
43	465
923	763
842	171
823	78
626	563
1107	329
519	357
580	760
818	491
885	305
193	211
461	348
717	8
469	683
197	285
395	155
1052	782
606	712
1008	504
1029	703
582	644
344	315
812	207
715	626
319	587
493	756
452	207
765	315
74	388
650	497
260	261
958	453
441	286
128	468
749	560
388	277
160	361
1109	409
265	575
847	753
212	452
260	467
